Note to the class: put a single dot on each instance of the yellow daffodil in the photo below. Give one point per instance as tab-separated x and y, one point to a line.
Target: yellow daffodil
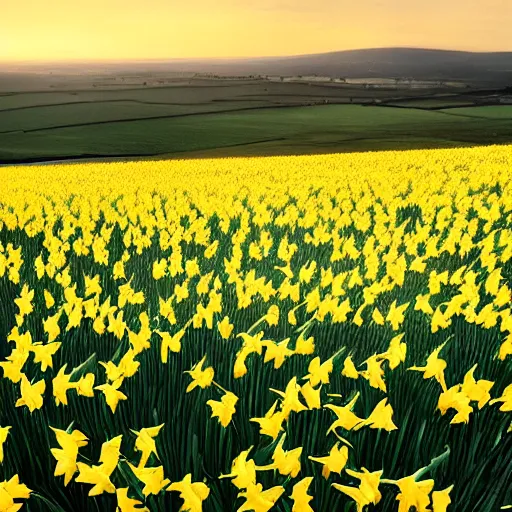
434	368
303	346
109	456
272	316
4	432
31	394
225	328
192	493
286	462
291	402
13	367
311	395
396	351
414	494
272	423
505	398
374	373
24	301
11	490
145	443
126	504
259	500
200	378
368	491
152	478
93	475
85	385
66	455
61	384
381	417
300	496
349	370
395	315
334	462
319	372
455	398
48	299
112	393
346	419
477	391
224	409
277	352
243	471
441	499
51	326
159	269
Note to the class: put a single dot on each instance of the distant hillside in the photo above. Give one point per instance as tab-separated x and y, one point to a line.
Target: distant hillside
414	63
419	64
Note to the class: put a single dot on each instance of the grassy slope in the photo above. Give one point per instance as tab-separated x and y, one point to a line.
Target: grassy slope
98	112
193	93
290	130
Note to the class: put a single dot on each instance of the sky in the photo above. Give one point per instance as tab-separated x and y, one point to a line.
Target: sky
60	30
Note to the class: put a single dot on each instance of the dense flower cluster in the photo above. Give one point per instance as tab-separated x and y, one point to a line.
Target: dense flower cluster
292	333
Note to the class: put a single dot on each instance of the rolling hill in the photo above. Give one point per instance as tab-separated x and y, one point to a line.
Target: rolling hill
416	63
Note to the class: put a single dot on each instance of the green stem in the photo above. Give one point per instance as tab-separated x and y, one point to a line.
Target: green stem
342	439
303	328
83	365
421	472
129	480
52	506
219	386
340	351
433	464
255	324
299	305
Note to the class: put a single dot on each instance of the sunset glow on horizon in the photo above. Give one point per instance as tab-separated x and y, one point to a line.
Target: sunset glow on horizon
56	30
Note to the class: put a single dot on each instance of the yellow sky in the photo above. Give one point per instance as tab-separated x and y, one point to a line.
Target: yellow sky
138	29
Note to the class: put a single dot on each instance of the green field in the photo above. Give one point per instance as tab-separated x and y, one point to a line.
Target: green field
114	129
56	116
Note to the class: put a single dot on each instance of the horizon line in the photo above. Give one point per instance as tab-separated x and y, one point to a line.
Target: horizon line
237	58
